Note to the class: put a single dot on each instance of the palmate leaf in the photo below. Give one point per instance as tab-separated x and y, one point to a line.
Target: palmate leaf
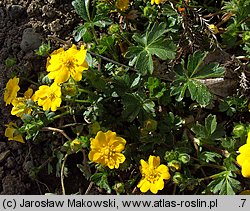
188	78
224	184
149	44
133	104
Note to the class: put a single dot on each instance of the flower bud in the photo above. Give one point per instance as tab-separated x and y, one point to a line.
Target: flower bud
239	130
119	187
170	155
177	178
75	145
150	125
174	165
114	28
184	158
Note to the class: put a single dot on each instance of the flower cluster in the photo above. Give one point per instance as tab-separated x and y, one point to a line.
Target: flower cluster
243	158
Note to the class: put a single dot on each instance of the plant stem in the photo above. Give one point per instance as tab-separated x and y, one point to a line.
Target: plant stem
56	130
84	90
62	173
110	60
60	115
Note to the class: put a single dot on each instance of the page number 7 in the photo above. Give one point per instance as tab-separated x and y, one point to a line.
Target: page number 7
243	202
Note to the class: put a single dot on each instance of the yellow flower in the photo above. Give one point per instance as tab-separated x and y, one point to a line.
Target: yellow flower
48	96
153	175
12	133
155	1
11	90
244	159
122	5
76	145
106	149
19	104
213	29
63	64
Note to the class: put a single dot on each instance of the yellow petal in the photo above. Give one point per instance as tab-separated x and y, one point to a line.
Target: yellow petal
248	138
154	161
28	93
144	164
101	137
144	185
245	148
245	170
153	188
62	76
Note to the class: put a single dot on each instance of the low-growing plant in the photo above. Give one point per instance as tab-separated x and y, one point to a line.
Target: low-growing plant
129	95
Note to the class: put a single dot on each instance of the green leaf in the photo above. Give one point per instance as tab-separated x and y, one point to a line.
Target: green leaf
149	44
209	156
194	61
159	49
82	9
131	108
179	91
210	123
134	104
199	92
188	76
224	184
101	180
212	70
148	106
144	63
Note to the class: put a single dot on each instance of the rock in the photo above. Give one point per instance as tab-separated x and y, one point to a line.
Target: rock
4	155
30	40
55	26
16	12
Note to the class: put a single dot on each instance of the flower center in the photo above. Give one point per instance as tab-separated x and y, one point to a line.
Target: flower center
152	175
107	152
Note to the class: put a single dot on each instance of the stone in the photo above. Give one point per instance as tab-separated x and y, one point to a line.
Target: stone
16	12
30	40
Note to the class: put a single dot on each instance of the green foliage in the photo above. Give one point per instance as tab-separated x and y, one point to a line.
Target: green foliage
146	81
233	104
210	132
10	62
153	42
43	50
224	184
187	78
101	180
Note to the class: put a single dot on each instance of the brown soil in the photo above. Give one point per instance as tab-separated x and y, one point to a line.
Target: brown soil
24	25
